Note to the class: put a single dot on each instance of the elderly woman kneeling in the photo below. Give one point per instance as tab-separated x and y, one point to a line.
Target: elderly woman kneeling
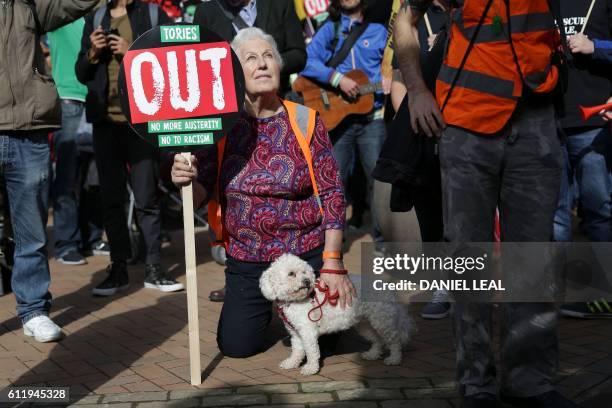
268	195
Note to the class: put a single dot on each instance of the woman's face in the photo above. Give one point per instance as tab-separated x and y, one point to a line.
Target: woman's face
261	70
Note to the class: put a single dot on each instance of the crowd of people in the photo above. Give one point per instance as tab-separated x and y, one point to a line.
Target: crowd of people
490	88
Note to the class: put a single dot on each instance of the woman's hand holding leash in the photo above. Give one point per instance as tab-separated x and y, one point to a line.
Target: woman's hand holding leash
333	276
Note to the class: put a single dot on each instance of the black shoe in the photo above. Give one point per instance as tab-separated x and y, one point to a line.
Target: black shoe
356	221
157	278
72	258
165	237
481	400
217	295
550	399
116	280
101	249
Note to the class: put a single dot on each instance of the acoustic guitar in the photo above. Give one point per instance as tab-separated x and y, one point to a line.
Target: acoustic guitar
333	106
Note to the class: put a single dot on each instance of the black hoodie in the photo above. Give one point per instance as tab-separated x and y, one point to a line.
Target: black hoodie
590	82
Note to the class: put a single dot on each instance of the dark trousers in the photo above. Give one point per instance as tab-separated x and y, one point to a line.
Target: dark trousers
115	147
428	209
517	169
91	222
246	314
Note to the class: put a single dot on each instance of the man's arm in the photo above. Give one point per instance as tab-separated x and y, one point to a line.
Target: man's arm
319	54
53	14
425	114
294	54
85	68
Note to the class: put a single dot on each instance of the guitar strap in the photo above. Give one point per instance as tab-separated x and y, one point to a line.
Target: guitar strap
348	43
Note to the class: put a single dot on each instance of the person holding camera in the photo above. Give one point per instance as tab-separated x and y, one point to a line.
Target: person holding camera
107	35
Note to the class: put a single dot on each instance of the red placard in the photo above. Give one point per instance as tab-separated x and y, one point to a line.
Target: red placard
180	82
314	7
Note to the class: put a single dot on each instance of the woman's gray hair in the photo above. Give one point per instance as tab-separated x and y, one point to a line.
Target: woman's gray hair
252	33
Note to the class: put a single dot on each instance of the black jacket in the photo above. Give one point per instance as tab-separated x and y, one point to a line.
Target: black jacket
95	76
275	17
590	82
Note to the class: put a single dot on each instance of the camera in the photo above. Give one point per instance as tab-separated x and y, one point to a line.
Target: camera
109	31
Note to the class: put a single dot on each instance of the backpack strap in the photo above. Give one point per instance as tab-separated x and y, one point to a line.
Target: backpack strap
153	14
467	54
302	121
99	16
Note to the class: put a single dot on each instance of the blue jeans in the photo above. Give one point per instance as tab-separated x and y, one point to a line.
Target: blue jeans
368	136
24	163
63	190
588	156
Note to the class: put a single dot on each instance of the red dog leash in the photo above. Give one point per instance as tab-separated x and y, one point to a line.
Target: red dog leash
327	297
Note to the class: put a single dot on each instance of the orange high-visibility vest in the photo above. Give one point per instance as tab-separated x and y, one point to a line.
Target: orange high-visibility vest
490	84
302	120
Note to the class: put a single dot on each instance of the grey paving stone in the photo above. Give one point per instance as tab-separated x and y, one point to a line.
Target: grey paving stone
184	403
86	399
399	383
443	382
116	405
280	406
301	398
345	404
328	386
416	404
603	366
137	397
269	389
369	394
182	394
236	399
583	381
419	393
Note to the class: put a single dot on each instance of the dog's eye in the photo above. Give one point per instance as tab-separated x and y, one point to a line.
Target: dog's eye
291	273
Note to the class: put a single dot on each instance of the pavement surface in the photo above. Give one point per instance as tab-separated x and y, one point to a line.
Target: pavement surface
131	350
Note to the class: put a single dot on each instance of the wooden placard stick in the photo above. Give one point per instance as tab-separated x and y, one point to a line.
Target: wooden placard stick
586	20
192	282
428	25
429	30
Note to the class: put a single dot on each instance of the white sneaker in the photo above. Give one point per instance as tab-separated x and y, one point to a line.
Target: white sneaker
42	329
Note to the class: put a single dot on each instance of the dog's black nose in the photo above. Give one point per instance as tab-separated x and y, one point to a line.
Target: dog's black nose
306	282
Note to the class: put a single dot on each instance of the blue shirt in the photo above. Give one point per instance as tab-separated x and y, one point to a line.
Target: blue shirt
366	54
248	14
603	51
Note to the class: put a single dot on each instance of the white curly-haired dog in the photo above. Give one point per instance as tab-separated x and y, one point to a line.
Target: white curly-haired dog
291	282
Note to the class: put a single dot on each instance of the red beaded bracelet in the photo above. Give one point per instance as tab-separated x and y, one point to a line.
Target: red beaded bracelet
334	271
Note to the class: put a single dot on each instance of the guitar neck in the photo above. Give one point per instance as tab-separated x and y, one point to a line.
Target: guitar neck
370	88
